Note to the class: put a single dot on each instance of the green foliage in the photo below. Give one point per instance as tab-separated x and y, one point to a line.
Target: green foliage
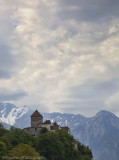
67	141
1	126
52	145
86	153
44	130
23	151
59	146
3	149
2	130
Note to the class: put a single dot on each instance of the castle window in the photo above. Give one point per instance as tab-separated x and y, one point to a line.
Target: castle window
27	129
35	129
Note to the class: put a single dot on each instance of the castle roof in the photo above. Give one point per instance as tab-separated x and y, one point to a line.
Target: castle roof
55	124
36	114
47	122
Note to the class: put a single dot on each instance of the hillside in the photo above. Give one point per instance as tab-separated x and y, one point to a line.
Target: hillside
18	144
100	133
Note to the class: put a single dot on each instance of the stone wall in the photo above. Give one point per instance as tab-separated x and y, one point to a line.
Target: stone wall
35	131
36	121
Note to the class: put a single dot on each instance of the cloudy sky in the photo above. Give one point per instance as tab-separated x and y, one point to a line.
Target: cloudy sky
60	55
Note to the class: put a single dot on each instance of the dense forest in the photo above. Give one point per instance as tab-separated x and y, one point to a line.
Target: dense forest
17	144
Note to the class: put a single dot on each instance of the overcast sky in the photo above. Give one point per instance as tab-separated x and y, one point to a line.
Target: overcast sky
60	55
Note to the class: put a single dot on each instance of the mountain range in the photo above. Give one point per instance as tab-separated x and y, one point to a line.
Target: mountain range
100	132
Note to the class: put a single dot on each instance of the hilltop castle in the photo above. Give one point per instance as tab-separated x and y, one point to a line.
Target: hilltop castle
37	124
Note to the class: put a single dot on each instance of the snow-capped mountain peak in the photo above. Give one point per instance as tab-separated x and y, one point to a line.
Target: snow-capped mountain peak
9	113
100	133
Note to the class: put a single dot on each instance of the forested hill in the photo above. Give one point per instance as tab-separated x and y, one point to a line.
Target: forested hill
17	144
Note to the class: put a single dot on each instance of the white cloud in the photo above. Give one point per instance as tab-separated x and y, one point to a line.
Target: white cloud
54	55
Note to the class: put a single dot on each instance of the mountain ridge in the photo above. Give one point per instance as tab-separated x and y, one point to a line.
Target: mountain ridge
100	132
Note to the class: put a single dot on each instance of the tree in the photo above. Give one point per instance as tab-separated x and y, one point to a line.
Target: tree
2	130
50	146
3	150
58	145
23	151
1	126
44	130
85	152
67	141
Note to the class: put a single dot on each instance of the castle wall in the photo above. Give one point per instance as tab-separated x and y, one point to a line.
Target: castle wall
37	124
47	126
66	129
33	130
55	127
75	144
36	121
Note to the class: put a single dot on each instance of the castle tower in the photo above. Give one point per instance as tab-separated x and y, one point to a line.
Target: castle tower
36	119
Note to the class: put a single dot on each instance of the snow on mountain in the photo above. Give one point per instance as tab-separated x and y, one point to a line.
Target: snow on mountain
6	126
9	113
100	133
64	119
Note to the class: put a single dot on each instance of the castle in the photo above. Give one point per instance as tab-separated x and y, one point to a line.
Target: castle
37	124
